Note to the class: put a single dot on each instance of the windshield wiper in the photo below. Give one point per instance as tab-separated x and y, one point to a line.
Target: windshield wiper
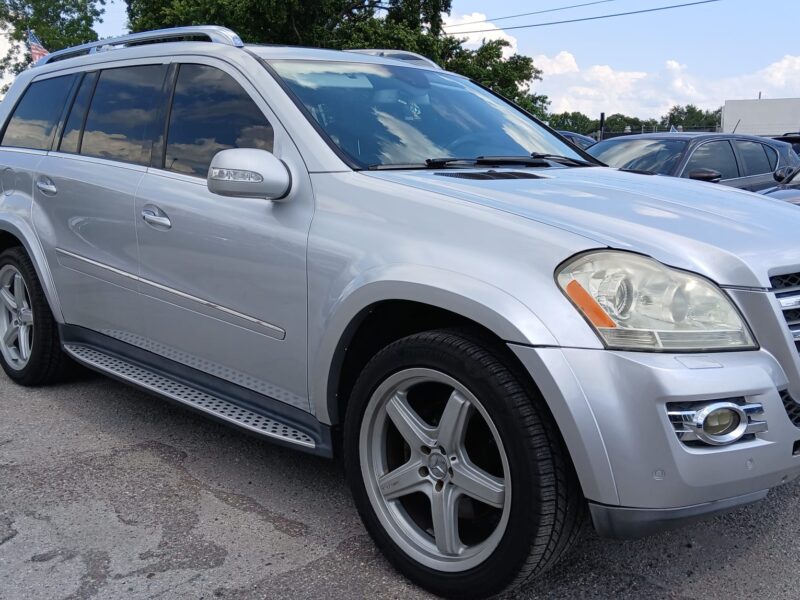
639	171
567	160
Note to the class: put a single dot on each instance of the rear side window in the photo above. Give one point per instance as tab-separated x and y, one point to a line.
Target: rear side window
754	157
714	155
37	114
772	157
70	140
211	112
123	115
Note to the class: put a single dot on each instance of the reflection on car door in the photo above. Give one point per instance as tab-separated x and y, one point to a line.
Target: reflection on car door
84	199
223	280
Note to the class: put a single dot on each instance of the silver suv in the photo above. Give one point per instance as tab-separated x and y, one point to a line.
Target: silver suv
503	338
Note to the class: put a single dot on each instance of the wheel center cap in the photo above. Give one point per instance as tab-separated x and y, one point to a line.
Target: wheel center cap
438	465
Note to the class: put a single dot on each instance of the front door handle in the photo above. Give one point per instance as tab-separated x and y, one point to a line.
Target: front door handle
152	217
46	186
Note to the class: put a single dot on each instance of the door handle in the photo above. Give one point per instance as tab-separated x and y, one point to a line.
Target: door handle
152	217
46	186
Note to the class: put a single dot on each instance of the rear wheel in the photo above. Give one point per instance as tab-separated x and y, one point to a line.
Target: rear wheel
30	351
456	467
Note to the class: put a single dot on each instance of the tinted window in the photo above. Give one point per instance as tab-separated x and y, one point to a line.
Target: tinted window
382	114
714	155
211	112
657	156
772	157
35	118
754	158
70	139
123	114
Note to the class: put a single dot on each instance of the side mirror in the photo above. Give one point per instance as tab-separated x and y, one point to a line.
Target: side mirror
783	173
248	173
709	175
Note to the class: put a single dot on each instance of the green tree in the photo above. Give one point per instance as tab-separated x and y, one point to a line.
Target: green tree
58	23
574	121
690	117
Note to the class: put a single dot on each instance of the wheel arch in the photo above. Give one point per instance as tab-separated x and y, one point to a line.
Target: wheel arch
15	232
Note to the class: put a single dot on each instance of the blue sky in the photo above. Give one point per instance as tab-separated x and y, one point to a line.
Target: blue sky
638	64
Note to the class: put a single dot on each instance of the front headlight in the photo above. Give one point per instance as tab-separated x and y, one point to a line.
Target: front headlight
636	303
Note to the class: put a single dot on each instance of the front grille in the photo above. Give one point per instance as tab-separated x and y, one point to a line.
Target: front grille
792	408
785	281
787	290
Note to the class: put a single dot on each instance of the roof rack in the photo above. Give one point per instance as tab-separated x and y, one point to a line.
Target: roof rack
214	34
403	55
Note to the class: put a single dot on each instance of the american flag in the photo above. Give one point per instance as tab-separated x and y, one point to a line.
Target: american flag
35	46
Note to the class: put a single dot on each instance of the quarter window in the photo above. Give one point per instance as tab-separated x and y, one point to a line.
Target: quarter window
123	115
70	140
211	112
754	158
36	116
772	157
714	155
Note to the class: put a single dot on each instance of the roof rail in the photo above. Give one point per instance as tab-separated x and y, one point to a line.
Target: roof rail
214	34
403	55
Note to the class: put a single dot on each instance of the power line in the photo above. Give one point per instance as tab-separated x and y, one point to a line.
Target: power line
622	14
528	14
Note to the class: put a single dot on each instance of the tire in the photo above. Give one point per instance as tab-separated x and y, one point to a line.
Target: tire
541	511
45	362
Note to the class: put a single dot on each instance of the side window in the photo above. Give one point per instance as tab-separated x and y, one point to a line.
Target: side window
71	138
772	157
123	115
714	155
211	112
754	157
37	114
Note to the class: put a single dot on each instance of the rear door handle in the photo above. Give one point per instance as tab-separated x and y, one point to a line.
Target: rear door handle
155	217
46	186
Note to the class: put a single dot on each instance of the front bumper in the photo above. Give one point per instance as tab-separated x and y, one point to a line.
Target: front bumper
638	476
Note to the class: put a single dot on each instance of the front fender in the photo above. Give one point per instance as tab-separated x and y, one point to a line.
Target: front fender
471	298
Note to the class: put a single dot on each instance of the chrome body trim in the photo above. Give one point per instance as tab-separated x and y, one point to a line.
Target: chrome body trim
272	330
688	424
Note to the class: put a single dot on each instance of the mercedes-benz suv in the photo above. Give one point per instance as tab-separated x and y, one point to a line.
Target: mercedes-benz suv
504	338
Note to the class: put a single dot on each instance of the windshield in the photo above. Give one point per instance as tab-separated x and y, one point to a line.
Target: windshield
657	156
384	115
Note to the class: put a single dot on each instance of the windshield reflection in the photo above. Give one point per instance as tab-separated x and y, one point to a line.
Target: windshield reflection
383	115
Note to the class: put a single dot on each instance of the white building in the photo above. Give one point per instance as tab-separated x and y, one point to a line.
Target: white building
761	117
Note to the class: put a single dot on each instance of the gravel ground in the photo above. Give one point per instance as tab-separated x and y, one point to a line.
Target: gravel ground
106	492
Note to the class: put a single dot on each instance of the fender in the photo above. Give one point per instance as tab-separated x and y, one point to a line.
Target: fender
20	229
471	298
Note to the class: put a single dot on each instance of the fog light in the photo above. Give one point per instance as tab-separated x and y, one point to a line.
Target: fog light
720	423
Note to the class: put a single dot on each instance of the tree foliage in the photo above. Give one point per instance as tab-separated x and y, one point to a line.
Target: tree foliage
57	23
690	116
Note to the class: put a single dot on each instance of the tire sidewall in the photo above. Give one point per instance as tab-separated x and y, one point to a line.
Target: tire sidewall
500	569
18	259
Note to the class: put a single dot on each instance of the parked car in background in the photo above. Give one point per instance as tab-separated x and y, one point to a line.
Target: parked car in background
581	141
788	187
741	161
790	138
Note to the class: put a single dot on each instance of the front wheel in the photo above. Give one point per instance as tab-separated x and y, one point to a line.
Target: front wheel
457	468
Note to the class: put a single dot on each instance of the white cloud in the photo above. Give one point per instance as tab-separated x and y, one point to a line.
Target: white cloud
595	88
454	24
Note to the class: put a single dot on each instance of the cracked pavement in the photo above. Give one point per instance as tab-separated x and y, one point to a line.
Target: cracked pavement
106	492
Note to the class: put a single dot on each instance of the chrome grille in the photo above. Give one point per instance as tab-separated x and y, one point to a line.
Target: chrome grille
681	415
787	290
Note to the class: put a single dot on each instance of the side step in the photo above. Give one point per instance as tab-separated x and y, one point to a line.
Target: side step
193	397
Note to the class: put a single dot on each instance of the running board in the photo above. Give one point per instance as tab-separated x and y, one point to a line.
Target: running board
193	397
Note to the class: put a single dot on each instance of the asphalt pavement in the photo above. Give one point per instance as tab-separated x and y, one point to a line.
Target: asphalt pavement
107	492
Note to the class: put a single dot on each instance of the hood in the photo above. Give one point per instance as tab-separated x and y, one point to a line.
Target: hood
733	237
